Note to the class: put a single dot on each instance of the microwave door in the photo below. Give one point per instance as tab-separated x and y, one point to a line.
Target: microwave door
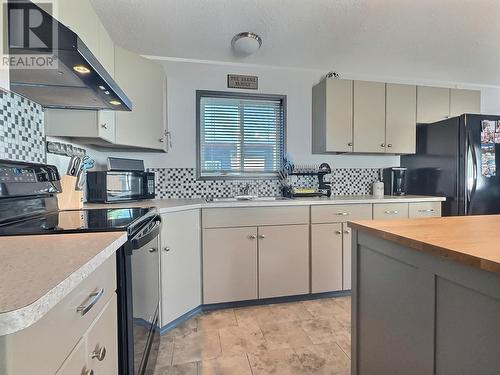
124	186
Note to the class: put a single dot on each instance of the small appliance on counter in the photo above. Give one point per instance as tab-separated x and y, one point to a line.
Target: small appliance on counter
394	181
125	180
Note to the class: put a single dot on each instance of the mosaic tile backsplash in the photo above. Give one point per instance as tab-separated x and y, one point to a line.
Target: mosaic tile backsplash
180	183
21	129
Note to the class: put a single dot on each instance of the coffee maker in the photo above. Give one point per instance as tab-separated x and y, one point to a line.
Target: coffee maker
394	181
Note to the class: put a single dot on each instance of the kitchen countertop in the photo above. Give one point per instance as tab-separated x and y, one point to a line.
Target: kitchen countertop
37	272
172	205
470	240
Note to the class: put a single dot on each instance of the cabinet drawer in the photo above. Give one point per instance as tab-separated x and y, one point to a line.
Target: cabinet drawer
390	211
76	363
425	209
340	213
254	216
63	324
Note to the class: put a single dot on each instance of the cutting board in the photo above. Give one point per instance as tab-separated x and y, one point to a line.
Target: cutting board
70	198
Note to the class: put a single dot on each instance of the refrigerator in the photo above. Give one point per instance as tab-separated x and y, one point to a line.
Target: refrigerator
455	160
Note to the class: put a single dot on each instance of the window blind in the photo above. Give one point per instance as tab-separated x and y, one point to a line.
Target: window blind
240	136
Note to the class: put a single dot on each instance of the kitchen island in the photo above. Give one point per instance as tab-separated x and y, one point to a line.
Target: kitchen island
426	296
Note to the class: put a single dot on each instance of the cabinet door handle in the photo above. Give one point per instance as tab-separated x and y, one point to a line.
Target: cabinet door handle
153	250
349	144
94	298
347	231
161	140
428	210
104	126
166	249
382	145
338	232
392	212
342	213
261	236
252	236
99	353
88	372
389	145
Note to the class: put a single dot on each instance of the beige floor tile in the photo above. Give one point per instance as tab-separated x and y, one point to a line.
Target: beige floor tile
319	359
240	340
284	335
196	346
324	308
214	320
290	312
226	365
184	369
344	319
184	329
270	362
343	339
322	330
165	351
344	302
253	316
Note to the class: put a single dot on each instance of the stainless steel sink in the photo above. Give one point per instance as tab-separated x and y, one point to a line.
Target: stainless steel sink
243	198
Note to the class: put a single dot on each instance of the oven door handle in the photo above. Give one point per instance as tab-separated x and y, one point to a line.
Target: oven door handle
142	239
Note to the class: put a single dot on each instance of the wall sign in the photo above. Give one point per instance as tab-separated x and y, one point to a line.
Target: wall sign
236	81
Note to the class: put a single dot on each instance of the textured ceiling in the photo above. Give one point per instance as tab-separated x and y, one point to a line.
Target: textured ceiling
447	40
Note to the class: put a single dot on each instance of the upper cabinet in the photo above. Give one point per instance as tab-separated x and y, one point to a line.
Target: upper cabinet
369	116
145	83
401	117
377	117
433	104
437	103
332	116
464	101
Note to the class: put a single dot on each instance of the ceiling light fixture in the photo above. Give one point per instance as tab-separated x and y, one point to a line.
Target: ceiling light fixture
246	43
81	69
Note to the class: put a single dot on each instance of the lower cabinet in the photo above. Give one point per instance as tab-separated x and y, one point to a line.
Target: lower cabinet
229	264
283	260
180	264
247	263
326	257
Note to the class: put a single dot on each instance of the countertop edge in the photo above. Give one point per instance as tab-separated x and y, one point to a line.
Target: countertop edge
16	320
427	248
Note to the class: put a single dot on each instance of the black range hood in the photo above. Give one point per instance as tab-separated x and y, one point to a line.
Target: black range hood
76	81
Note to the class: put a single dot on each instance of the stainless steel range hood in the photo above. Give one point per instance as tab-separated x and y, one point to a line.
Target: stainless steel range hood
78	82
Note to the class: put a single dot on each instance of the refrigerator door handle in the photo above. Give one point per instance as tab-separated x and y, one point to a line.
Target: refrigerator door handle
471	185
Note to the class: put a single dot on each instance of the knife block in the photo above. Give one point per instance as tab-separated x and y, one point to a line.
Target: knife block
70	198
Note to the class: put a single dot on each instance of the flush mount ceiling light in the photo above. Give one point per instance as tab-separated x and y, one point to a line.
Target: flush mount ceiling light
246	43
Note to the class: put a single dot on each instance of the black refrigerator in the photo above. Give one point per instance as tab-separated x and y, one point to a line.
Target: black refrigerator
457	158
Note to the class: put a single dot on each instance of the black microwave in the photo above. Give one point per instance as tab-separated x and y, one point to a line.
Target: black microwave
118	186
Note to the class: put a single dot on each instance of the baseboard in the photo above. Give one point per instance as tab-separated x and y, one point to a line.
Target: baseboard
254	302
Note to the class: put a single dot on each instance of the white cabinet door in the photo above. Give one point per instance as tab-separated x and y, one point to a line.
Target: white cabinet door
464	101
346	256
102	341
401	118
180	264
229	264
283	260
326	257
144	82
106	125
369	117
332	116
433	104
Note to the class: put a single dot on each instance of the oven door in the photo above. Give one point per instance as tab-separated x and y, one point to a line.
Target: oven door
124	186
139	301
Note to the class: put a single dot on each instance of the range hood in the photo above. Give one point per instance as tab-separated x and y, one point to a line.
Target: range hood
78	81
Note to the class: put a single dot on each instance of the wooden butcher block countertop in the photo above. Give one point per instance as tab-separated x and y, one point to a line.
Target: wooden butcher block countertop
470	240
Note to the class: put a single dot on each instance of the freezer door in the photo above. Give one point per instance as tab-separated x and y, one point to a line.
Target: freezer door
482	193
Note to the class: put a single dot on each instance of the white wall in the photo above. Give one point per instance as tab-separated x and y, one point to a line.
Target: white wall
185	77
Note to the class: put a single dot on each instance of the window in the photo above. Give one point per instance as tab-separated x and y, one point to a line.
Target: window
240	135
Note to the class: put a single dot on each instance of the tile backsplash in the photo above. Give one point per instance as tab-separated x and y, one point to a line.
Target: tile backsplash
21	129
182	183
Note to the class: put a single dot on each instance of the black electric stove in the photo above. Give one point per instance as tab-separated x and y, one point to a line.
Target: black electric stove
28	206
77	221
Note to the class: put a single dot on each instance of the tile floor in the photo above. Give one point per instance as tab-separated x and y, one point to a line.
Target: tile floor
309	337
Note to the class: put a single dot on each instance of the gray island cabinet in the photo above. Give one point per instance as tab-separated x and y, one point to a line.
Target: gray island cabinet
426	296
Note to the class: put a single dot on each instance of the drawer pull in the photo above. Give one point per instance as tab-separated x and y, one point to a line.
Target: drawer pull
88	372
99	353
392	212
342	213
252	237
94	298
338	232
428	210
